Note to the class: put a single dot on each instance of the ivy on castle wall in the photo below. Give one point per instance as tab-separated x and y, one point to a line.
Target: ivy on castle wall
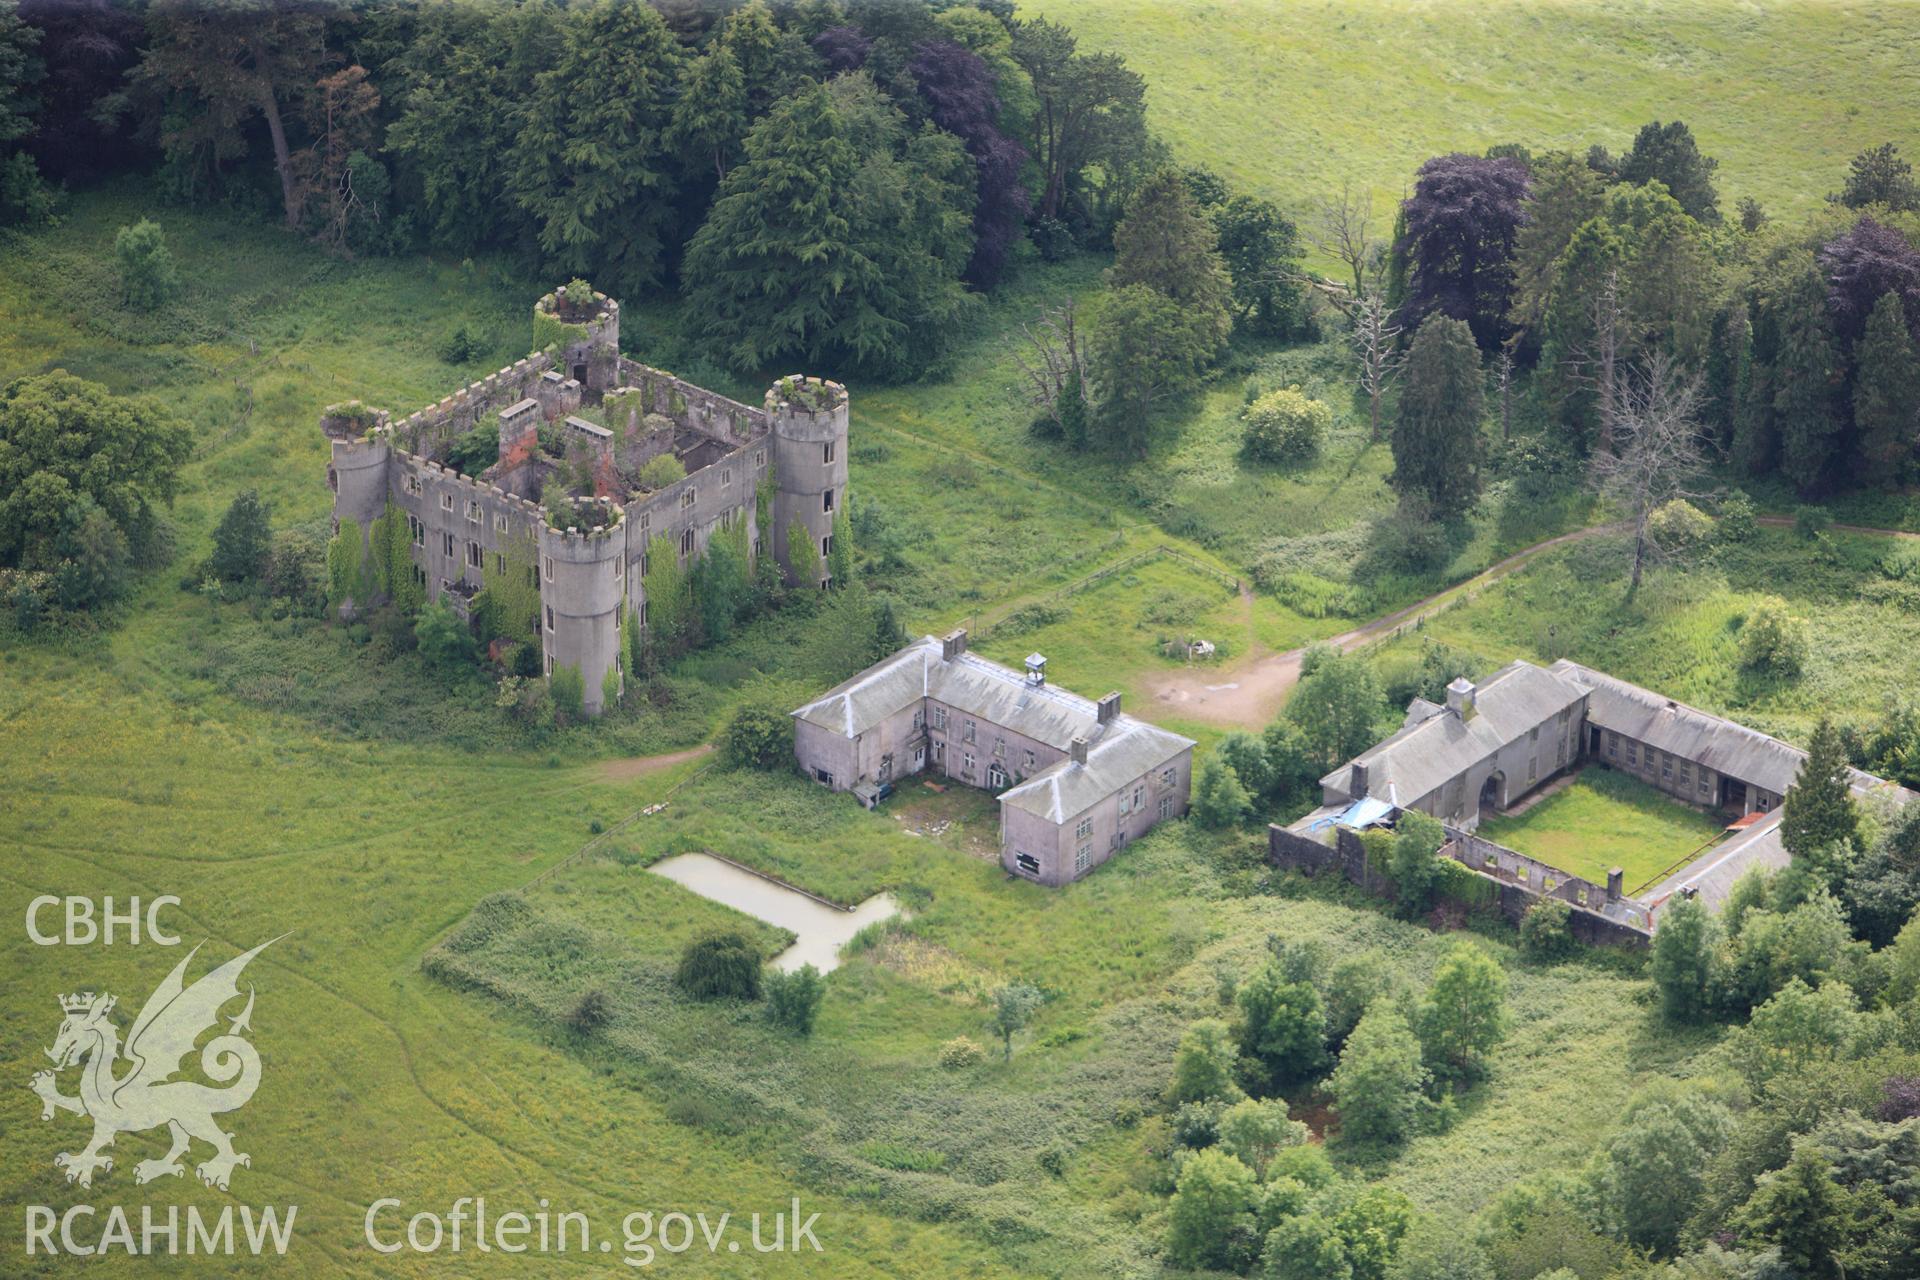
802	556
550	333
509	601
669	588
349	575
390	568
840	562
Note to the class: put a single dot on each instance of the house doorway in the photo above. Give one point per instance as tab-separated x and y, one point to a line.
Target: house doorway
919	758
1493	794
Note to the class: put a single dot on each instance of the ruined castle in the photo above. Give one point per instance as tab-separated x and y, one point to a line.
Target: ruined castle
570	498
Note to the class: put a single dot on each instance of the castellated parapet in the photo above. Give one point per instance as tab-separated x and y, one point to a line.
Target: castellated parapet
808	419
467	530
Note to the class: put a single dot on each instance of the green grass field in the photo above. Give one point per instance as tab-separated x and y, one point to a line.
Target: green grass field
1605	819
1291	100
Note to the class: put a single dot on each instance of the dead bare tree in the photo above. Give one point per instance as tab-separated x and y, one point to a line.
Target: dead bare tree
1342	228
1656	453
1373	345
1503	384
1052	358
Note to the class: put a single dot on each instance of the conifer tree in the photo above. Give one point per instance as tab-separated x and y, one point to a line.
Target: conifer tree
1167	244
1436	437
1805	373
1819	811
588	162
710	118
1886	393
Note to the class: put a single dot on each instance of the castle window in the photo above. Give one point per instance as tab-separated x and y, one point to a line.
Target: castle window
446	502
446	544
549	560
619	568
499	522
726	476
473	510
826	500
759	457
499	563
549	617
687	496
418	530
646	564
756	548
413	484
475	557
826	453
646	522
643	615
686	544
826	547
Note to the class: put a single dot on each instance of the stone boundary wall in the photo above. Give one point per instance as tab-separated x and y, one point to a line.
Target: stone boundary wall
1288	849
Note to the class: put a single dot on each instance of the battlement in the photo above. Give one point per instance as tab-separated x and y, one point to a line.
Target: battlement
797	394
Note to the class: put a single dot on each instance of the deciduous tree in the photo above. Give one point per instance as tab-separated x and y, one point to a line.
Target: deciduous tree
1461	223
1463	1017
1668	154
1377	1086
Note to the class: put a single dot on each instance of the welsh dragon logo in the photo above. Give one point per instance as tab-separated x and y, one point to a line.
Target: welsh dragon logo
132	1089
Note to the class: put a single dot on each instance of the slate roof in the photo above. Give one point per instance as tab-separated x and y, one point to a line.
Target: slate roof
1430	751
1118	752
1689	734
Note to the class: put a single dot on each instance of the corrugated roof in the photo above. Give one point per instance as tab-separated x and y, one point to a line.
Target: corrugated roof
1118	752
1427	753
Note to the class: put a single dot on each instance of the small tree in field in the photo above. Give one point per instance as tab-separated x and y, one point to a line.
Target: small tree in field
1464	1014
793	999
243	539
147	275
1212	1204
1377	1086
759	736
1203	1065
1219	799
1013	1007
1773	642
1285	426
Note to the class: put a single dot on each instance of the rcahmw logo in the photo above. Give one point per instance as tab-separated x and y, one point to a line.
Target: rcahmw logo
132	1088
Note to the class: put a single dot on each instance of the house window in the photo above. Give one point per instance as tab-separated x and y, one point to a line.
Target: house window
446	544
475	556
1084	830
1139	797
996	777
966	765
1027	863
1613	743
940	719
549	617
686	544
1533	734
1167	776
823	776
1633	752
1165	809
1026	760
999	748
826	500
1533	768
1686	775
966	734
688	496
1126	804
446	502
646	521
919	718
1666	765
826	453
1082	859
1706	785
549	567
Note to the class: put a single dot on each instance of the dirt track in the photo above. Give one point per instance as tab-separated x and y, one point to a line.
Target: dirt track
631	767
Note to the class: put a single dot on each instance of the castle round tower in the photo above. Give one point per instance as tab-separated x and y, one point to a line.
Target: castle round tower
582	592
357	471
586	338
808	420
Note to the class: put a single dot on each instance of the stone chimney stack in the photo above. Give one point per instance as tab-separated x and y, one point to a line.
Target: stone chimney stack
1615	876
1357	781
1078	749
1036	669
954	645
1107	710
1460	698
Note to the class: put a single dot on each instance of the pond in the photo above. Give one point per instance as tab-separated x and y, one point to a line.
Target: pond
819	928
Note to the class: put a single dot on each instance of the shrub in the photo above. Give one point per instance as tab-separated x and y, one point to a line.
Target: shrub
793	999
1679	527
660	471
1736	522
720	966
1285	426
1811	522
1219	799
461	345
1203	1065
591	1012
147	276
443	639
569	692
1545	932
243	539
1773	642
961	1052
759	736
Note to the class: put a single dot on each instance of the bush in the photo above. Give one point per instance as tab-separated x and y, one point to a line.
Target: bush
1545	931
147	276
720	966
1679	527
1736	518
569	691
1811	522
961	1052
591	1012
660	471
443	639
1285	426
759	736
462	345
793	999
1773	642
243	539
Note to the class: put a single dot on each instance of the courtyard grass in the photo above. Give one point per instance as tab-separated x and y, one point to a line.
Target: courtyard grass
1605	819
1290	101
